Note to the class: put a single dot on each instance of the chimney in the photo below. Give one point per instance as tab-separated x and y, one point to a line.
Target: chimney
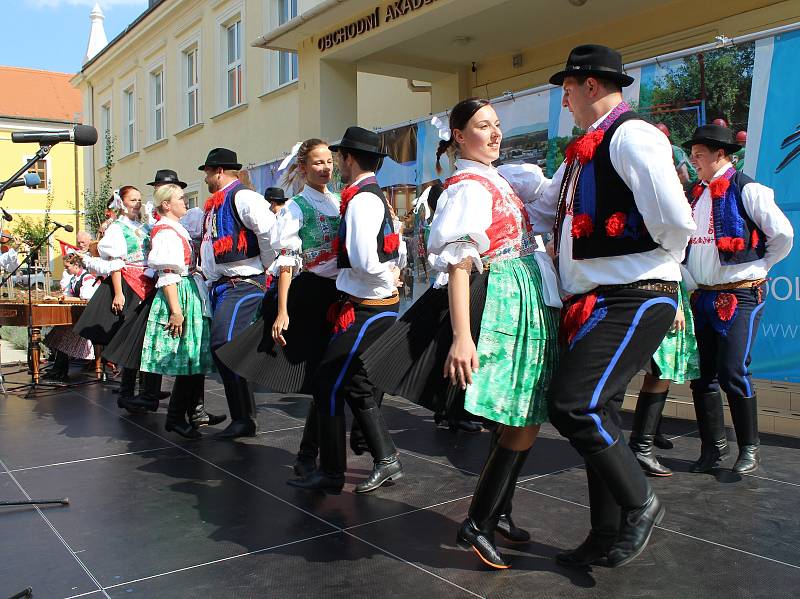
97	35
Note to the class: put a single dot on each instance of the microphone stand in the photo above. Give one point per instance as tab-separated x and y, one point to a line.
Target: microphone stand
43	151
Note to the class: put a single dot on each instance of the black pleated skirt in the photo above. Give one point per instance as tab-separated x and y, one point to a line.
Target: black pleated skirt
125	349
253	354
98	323
408	360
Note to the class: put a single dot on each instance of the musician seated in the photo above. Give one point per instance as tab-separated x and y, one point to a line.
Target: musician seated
8	252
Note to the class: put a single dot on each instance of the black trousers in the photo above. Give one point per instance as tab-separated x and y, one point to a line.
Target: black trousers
725	346
340	377
622	333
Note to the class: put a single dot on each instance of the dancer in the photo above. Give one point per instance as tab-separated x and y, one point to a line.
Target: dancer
122	252
177	336
741	234
621	228
366	245
492	330
234	253
284	358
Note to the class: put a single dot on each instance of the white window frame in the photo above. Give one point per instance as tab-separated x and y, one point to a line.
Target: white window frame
48	165
274	62
107	115
157	105
190	96
233	14
129	141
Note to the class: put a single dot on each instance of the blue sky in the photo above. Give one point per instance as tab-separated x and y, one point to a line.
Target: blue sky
52	34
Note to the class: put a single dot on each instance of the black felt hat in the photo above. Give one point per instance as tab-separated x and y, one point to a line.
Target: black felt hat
165	176
222	157
715	136
361	140
275	194
596	61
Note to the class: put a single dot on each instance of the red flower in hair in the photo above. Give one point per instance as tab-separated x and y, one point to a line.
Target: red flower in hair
718	187
582	226
725	305
584	147
615	224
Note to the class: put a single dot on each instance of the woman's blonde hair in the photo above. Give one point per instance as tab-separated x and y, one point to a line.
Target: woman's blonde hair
163	194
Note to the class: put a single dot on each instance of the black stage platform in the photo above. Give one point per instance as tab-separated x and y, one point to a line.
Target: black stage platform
153	515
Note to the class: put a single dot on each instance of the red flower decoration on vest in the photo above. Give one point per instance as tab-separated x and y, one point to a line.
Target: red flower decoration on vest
582	226
725	305
730	244
754	239
341	316
718	187
391	243
584	147
697	191
215	200
347	194
615	224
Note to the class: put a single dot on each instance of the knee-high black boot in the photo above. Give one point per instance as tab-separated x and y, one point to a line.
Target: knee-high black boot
499	473
127	384
332	456
645	422
148	398
604	514
59	370
711	422
306	461
358	442
505	524
641	509
180	402
744	413
242	405
387	464
197	410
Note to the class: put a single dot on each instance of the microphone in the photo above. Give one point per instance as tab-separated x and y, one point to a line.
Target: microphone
80	135
67	228
29	180
6	215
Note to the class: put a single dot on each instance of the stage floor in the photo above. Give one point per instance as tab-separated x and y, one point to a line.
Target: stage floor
154	515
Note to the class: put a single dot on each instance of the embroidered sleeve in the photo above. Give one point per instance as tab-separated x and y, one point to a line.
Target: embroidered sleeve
286	240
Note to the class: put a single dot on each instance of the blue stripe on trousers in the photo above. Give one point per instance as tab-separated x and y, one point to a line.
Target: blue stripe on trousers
610	368
745	376
352	354
236	311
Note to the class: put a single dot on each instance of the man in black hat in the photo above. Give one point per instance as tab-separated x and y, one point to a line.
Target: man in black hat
276	198
367	247
741	234
619	243
234	253
165	176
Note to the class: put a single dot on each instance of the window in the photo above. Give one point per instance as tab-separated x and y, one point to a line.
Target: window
233	54
105	127
40	168
287	61
191	88
191	199
129	104
157	106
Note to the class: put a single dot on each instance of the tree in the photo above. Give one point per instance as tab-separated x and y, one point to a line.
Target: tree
96	202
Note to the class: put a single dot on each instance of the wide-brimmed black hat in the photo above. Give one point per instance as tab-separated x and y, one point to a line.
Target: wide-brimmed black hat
360	139
596	61
275	194
222	157
164	176
715	136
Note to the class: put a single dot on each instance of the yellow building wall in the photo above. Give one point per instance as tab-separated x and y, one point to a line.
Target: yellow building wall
62	170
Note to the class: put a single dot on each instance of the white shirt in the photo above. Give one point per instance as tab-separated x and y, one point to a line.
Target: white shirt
112	249
287	237
367	276
88	287
642	156
759	201
254	211
8	260
166	253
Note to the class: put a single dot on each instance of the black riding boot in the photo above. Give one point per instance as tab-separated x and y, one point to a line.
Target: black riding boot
197	410
242	405
127	385
358	443
387	462
499	474
711	422
332	456
180	402
645	422
744	413
505	524
306	461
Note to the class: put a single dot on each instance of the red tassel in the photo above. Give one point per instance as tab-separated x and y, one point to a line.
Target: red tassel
718	187
214	201
582	226
573	318
241	244
223	245
584	147
391	243
341	316
754	239
615	224
725	305
697	191
731	244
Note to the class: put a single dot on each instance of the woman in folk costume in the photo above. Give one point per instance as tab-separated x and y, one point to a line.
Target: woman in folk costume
676	360
286	357
122	260
77	282
177	336
490	332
